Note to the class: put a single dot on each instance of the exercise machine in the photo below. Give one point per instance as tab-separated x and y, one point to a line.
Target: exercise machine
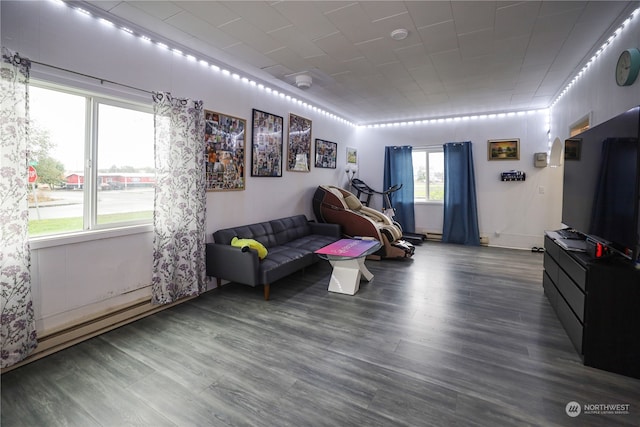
364	193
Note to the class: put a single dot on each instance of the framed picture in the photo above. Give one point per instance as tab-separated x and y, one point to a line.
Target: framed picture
225	151
299	144
266	144
572	148
326	154
352	156
504	149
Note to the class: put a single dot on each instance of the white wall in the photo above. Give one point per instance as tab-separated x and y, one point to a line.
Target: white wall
510	214
596	93
78	277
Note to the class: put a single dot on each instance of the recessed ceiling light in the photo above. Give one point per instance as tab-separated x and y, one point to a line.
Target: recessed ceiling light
399	34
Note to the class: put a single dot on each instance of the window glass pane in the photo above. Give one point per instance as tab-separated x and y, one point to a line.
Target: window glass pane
419	159
436	175
125	165
56	150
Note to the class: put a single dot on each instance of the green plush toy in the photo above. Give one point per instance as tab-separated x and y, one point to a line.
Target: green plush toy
251	243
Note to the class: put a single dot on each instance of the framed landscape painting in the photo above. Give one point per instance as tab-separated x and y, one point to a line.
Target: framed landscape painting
503	149
299	144
326	154
225	151
266	144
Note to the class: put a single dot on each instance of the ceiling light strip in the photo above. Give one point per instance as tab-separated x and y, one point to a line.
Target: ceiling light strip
201	59
451	119
597	54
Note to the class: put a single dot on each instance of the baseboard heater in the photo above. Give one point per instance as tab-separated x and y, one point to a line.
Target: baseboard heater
67	336
433	236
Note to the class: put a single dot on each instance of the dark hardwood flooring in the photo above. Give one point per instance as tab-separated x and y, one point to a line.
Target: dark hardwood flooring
456	336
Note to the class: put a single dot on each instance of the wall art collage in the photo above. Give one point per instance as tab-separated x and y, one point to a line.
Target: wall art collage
225	138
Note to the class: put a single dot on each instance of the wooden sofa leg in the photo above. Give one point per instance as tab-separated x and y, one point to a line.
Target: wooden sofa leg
218	283
266	292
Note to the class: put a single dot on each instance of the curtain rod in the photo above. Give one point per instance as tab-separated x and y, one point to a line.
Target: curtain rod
101	80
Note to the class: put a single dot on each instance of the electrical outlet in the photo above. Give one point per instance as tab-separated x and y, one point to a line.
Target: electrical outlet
540	189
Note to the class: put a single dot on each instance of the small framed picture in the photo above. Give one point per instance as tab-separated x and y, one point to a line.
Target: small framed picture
503	149
326	154
299	144
352	156
266	144
572	148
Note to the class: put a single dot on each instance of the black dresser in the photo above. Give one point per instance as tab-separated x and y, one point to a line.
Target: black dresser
598	303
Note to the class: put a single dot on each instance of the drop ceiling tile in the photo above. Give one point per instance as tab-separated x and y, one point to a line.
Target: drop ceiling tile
360	67
378	10
309	21
425	13
477	43
472	16
353	23
158	9
328	65
413	56
439	37
203	30
516	19
378	51
290	37
106	4
338	47
332	6
259	14
250	56
289	59
214	13
144	20
550	8
394	72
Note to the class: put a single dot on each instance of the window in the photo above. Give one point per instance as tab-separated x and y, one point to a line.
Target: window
428	174
94	161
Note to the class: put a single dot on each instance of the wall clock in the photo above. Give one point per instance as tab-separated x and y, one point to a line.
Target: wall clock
627	67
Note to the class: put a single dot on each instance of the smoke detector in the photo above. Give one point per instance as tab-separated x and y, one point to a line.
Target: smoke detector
399	34
303	81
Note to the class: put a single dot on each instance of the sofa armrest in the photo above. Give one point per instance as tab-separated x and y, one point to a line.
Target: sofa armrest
231	263
326	229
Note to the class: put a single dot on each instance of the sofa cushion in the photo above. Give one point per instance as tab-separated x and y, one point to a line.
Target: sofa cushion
282	261
261	231
290	228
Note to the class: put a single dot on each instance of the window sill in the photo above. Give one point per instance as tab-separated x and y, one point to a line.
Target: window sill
87	236
428	202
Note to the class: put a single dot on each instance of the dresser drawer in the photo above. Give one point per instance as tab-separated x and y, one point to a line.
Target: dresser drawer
551	247
551	268
573	268
570	322
572	294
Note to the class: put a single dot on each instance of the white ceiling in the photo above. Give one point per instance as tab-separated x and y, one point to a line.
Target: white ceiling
461	57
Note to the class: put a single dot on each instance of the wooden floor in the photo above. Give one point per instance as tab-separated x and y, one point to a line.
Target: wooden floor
456	336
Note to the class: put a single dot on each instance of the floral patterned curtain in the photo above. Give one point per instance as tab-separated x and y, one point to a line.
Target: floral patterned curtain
180	199
17	317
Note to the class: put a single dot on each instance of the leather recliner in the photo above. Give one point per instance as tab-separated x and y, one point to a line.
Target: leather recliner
338	206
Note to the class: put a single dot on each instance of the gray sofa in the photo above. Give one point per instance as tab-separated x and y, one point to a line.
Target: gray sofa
290	242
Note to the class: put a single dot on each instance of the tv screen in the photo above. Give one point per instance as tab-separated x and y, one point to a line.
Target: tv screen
601	182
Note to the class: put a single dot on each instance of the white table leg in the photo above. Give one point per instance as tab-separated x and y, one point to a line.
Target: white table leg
346	274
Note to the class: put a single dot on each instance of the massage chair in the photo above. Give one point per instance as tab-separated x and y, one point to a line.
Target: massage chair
338	206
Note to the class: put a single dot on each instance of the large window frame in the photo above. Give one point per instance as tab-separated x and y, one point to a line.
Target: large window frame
428	191
91	228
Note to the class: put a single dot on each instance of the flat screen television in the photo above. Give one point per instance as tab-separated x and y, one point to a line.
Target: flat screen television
601	193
